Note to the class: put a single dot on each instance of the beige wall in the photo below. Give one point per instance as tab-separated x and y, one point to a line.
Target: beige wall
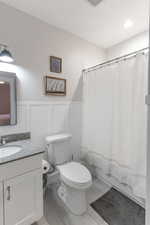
135	43
32	42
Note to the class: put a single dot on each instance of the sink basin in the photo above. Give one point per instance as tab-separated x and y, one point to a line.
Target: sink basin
6	151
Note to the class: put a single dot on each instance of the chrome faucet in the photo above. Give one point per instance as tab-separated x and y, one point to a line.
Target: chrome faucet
3	141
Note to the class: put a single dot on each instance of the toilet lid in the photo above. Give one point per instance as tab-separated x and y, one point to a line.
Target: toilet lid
75	172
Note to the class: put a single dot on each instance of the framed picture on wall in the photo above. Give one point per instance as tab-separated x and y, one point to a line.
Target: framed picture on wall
55	86
55	64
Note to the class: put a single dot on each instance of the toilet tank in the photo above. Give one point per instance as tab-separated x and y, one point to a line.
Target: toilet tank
59	148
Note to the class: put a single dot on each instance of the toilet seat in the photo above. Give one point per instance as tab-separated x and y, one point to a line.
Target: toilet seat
75	175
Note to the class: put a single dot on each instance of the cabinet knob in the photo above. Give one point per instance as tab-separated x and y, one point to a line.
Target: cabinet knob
8	193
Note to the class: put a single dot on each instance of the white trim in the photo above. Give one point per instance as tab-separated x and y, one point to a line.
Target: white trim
40	102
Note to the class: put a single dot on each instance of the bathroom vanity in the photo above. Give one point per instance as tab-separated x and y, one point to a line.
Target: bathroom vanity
21	191
21	186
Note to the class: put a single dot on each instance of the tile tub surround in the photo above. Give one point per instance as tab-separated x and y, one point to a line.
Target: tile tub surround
117	209
98	166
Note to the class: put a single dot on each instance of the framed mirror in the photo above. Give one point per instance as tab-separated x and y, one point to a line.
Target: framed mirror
8	101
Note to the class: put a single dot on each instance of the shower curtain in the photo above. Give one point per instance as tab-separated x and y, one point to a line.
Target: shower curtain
114	121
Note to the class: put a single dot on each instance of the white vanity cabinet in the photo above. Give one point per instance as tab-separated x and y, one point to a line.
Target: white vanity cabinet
22	191
22	198
1	203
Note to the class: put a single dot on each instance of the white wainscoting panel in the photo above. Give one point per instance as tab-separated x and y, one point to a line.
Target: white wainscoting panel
60	118
43	118
40	122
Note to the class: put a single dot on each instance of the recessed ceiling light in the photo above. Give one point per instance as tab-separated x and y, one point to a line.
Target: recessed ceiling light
128	24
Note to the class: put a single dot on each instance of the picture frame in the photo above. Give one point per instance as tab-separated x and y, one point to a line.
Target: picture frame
55	86
55	64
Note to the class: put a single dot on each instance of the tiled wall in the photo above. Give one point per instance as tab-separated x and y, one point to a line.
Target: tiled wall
42	118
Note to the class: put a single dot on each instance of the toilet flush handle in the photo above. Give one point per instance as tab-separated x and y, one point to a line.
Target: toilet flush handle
72	157
8	193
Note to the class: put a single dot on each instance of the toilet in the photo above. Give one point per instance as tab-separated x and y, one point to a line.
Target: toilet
75	178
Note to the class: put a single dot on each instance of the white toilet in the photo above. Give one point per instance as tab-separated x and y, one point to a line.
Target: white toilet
75	178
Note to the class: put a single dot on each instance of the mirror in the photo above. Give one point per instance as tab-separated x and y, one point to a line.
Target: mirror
8	103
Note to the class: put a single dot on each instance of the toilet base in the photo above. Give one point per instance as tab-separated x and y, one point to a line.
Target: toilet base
74	199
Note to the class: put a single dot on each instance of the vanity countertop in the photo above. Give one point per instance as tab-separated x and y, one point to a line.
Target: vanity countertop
27	150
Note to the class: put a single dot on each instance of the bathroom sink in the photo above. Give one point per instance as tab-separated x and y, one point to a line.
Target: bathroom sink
6	151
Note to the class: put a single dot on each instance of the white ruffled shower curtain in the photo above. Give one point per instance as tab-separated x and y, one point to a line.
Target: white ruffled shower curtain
114	121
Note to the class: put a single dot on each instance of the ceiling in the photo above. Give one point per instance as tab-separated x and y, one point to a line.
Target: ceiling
102	25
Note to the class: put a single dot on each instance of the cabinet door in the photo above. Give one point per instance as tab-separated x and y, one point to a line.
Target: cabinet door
1	204
23	199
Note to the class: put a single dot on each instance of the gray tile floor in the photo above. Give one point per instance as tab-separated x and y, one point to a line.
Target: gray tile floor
56	215
113	208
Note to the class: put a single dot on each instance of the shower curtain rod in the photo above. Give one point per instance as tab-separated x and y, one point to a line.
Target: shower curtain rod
115	60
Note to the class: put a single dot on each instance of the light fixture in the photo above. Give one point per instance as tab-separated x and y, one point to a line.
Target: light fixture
2	82
5	55
95	2
128	24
